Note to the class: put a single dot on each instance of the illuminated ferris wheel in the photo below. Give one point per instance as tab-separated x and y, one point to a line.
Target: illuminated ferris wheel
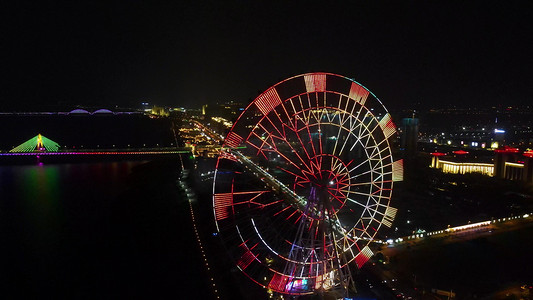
303	184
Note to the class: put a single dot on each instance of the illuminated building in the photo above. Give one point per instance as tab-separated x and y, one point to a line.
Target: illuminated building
502	156
466	167
513	171
435	159
224	122
458	165
499	135
509	164
160	111
199	139
528	166
229	110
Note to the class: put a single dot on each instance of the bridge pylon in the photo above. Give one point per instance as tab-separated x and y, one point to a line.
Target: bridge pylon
38	143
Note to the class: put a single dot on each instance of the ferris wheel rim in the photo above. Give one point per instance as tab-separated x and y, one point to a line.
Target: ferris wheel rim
304	74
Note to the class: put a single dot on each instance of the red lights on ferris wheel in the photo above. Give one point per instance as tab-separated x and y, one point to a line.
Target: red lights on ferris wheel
438	154
304	182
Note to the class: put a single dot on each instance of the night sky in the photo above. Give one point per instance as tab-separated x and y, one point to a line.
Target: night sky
186	53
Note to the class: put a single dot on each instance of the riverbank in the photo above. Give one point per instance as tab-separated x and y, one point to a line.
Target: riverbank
474	264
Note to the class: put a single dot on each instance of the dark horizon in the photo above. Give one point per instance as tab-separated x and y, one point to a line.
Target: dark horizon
107	54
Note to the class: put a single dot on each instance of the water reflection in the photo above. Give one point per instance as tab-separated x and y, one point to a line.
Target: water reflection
43	206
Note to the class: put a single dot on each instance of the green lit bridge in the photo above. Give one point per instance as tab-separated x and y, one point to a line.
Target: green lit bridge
40	145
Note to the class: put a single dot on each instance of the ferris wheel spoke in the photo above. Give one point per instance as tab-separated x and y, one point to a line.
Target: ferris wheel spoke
300	177
336	198
368	195
286	142
264	141
303	146
337	140
384	141
320	134
311	140
375	211
355	201
370	208
362	140
288	160
314	161
351	242
361	164
378	153
370	134
289	119
368	128
341	129
375	156
307	167
281	122
272	123
355	123
356	233
351	133
367	183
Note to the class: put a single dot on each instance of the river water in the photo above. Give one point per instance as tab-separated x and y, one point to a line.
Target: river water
97	230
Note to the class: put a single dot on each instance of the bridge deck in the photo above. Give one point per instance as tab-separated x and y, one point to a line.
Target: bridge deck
104	152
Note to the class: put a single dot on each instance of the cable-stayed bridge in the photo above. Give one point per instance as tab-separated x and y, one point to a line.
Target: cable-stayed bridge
40	145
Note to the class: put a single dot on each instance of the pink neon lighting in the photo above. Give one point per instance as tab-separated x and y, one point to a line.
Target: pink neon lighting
278	282
315	82
233	140
358	93
267	101
246	259
94	153
507	149
222	204
438	154
387	126
362	257
460	152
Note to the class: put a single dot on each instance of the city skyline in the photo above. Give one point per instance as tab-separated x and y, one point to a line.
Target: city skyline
167	204
188	54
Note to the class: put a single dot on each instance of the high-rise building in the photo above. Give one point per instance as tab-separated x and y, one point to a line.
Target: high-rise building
409	135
